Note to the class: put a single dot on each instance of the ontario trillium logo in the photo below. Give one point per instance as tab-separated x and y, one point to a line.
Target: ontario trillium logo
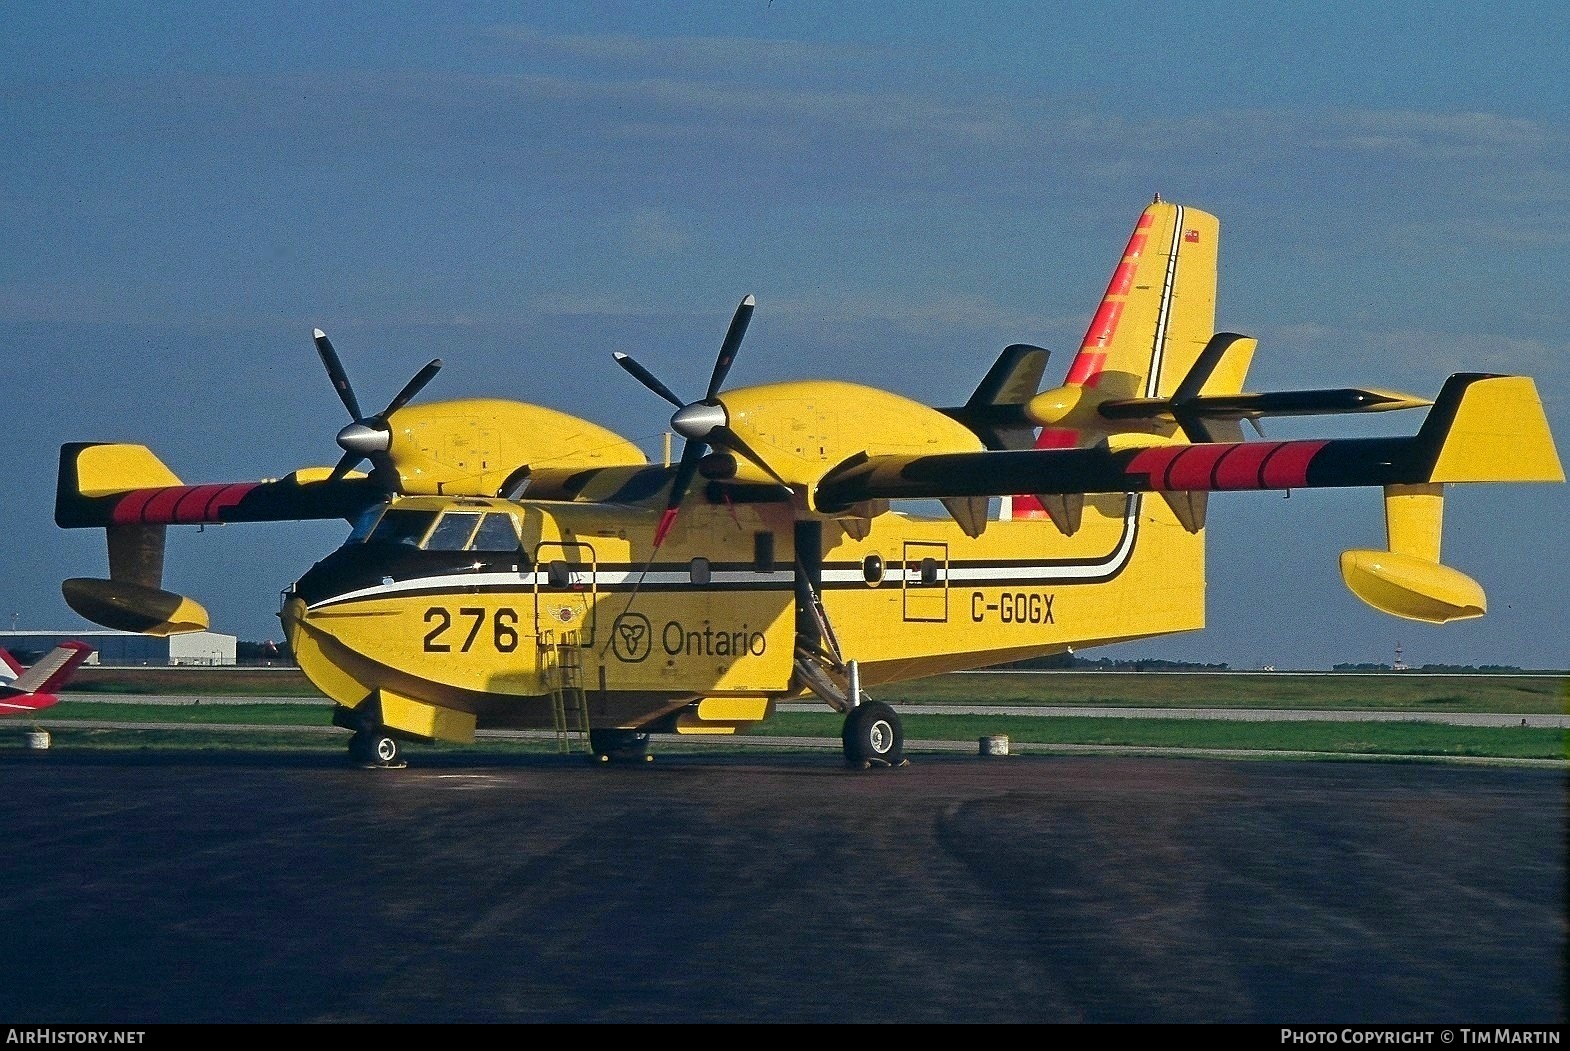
631	637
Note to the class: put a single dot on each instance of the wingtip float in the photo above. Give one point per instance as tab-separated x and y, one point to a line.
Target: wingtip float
509	565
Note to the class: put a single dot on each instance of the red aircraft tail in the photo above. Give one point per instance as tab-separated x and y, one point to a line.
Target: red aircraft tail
36	688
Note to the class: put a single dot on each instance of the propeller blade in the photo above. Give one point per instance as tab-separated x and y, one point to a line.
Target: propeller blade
336	373
350	461
413	387
647	378
729	439
738	328
691	453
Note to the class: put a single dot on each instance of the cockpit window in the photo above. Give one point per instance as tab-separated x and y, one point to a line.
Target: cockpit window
452	533
403	527
496	533
364	522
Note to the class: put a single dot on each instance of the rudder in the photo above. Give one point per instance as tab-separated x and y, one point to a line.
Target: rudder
1159	309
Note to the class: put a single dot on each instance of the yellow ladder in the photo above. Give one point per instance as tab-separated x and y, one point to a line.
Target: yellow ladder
562	663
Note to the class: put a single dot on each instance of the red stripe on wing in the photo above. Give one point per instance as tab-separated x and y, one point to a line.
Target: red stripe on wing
178	504
1241	468
1251	465
1288	469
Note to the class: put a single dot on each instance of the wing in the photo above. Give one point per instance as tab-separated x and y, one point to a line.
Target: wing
129	493
1481	428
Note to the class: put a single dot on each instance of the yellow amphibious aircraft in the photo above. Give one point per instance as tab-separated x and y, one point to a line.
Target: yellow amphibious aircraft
512	566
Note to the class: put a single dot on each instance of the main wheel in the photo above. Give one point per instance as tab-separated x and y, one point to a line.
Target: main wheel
620	746
873	734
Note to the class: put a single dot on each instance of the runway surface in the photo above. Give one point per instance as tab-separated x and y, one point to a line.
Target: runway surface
1535	719
147	887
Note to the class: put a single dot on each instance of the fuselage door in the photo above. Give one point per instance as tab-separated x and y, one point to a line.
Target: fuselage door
564	591
926	581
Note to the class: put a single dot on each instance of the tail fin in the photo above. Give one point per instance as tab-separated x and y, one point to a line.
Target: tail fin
1159	309
36	687
1155	320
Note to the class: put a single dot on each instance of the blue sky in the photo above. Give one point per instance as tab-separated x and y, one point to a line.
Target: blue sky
521	189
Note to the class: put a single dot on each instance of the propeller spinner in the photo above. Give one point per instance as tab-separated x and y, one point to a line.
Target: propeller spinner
704	424
367	437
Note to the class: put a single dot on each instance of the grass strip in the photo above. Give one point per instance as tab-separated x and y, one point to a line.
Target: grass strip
1376	738
1364	738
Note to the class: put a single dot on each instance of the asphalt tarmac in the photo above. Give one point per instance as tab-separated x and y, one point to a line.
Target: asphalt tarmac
147	887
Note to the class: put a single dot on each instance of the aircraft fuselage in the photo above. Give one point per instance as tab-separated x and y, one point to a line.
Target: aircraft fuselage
477	613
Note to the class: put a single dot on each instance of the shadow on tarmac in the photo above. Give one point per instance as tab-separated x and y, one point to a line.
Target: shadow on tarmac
151	886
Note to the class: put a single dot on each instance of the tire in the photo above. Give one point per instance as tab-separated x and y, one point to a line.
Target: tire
374	748
619	746
384	749
873	735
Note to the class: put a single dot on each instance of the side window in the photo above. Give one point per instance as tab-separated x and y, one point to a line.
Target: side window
496	533
699	572
558	574
453	531
872	569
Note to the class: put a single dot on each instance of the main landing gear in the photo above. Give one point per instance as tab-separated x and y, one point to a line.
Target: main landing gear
619	746
873	736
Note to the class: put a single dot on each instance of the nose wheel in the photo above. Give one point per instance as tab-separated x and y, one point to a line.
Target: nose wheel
873	736
377	749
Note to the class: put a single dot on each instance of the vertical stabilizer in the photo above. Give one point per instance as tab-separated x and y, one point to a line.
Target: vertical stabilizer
37	687
1154	320
1159	309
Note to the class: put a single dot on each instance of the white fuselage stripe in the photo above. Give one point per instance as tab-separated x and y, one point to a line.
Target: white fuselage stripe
610	580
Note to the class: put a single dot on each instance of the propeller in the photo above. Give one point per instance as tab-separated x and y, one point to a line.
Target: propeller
704	424
367	437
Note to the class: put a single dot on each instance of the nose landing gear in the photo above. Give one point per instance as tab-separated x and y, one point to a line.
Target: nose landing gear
376	749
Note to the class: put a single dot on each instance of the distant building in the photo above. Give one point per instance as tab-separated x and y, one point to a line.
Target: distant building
127	647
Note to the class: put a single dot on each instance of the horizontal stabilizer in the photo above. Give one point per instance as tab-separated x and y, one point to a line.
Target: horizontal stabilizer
1330	401
1210	400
